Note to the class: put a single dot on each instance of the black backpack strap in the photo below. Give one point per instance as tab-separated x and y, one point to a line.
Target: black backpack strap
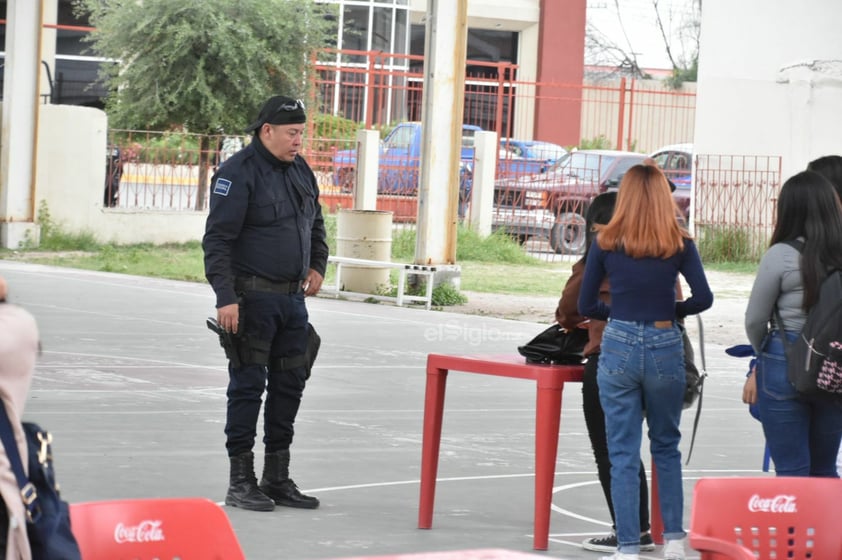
702	374
28	494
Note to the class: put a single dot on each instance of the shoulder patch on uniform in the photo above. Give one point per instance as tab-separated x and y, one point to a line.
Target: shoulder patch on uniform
222	186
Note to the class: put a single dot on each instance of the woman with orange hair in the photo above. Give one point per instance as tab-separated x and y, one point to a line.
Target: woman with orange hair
641	372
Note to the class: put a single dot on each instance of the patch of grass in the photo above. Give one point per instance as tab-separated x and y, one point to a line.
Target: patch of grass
176	261
54	238
443	295
745	267
470	246
600	142
446	294
497	247
330	231
729	244
494	264
538	279
403	245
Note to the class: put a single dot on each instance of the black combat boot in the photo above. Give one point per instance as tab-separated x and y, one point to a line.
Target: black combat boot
242	487
277	484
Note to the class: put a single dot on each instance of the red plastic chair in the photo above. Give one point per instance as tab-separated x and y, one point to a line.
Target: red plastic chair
792	518
161	529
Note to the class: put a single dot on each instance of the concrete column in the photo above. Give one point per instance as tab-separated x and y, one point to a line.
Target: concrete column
18	143
368	160
482	195
441	133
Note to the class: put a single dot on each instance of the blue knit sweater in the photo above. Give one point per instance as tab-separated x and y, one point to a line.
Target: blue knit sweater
643	289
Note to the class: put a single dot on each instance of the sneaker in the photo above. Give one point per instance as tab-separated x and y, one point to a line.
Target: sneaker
674	550
621	556
646	543
608	543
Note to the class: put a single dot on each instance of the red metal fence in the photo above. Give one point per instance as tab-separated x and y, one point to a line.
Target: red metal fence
735	200
377	90
734	196
361	89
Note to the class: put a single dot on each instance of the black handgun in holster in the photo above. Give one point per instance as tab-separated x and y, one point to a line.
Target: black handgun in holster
227	340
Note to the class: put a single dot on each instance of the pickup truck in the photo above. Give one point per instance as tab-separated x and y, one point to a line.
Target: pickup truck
400	162
400	154
551	205
526	157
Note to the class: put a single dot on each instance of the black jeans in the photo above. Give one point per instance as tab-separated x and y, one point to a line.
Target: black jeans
595	421
281	319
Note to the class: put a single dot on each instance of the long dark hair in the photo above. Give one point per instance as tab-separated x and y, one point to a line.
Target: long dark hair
831	168
808	207
599	212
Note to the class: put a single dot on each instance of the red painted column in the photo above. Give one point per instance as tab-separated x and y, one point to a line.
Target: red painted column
561	68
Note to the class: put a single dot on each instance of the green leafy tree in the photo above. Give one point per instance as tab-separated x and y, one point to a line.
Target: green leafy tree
203	65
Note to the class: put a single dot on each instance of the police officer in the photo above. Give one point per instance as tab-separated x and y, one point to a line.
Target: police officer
265	250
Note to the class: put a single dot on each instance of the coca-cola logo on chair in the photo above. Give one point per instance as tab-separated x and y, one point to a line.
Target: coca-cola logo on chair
782	503
147	530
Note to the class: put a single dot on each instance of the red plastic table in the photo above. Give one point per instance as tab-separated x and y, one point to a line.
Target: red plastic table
550	382
473	554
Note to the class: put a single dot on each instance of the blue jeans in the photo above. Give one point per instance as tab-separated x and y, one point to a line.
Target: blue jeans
641	368
803	432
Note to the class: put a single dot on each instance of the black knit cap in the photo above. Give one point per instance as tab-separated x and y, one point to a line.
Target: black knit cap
279	110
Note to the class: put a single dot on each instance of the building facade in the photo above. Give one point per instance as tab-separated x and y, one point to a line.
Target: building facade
537	41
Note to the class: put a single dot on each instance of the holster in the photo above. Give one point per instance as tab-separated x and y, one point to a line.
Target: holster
226	340
307	359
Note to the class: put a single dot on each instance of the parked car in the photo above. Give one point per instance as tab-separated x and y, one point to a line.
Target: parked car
522	157
552	205
400	161
676	160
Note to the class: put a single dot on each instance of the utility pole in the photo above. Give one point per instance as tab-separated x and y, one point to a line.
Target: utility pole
445	51
19	141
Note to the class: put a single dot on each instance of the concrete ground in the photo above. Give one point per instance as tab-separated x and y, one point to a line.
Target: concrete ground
132	385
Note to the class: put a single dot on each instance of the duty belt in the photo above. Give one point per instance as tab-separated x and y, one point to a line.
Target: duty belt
258	284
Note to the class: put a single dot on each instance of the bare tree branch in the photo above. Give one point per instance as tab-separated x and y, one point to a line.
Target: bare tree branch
660	23
631	56
602	51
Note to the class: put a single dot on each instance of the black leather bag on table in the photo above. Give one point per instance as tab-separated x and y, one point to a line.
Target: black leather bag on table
556	345
48	516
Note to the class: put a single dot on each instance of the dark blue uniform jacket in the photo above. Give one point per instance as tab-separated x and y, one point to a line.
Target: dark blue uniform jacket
265	220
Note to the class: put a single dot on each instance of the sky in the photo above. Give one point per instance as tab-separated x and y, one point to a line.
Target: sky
642	35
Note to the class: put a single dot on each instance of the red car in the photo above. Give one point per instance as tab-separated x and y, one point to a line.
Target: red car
552	204
676	160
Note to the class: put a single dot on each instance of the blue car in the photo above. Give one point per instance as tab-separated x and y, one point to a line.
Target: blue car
527	157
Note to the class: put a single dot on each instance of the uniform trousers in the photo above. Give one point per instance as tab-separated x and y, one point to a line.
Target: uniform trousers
282	319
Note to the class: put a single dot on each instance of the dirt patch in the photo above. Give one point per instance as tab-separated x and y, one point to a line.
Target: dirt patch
723	323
